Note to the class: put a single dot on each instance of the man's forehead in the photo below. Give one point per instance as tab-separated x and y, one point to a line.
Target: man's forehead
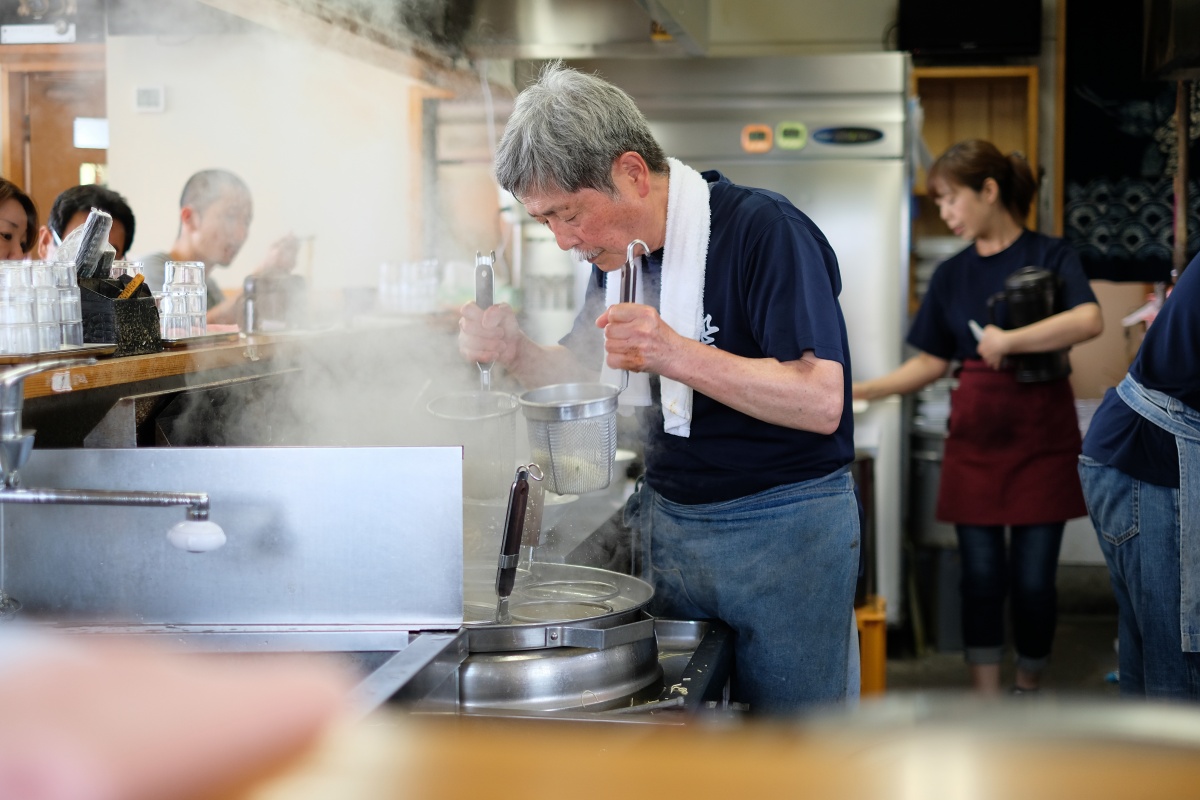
540	203
544	202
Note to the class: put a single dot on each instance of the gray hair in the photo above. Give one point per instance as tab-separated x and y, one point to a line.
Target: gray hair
206	187
565	132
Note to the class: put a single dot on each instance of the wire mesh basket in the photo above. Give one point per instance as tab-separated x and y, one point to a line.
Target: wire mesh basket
573	429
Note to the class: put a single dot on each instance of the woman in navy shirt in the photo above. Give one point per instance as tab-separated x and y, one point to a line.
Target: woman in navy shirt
1012	447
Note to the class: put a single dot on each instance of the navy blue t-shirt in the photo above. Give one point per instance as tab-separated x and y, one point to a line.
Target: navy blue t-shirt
961	285
770	291
1167	362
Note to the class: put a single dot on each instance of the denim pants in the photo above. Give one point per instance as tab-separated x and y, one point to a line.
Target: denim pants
1026	570
1138	527
1150	536
779	567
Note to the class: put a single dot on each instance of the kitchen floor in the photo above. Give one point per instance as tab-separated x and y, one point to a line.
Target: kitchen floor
1083	649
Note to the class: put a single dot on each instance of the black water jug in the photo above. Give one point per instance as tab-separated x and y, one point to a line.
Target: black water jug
1031	294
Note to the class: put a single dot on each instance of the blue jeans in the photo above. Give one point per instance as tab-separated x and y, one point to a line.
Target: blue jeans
1138	527
779	567
1028	568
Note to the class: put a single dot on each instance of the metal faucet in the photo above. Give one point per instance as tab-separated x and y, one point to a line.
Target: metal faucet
197	534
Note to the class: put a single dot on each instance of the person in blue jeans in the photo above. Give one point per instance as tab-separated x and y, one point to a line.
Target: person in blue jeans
747	513
1140	470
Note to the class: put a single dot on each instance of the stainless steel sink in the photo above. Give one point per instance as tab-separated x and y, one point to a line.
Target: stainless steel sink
349	551
316	536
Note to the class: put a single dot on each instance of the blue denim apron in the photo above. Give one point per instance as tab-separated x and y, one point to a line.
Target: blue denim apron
1181	420
779	567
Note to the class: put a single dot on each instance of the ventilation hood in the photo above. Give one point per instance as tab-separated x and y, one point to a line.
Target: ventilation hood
420	34
539	29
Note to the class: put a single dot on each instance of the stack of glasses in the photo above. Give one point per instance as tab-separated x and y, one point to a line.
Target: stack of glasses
409	287
183	304
122	268
39	307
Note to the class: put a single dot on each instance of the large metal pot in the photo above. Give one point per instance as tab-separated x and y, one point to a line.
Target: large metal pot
580	639
560	679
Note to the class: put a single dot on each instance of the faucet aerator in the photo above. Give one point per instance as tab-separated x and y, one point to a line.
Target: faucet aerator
196	536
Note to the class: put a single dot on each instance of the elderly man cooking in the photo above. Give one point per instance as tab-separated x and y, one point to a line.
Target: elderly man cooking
747	513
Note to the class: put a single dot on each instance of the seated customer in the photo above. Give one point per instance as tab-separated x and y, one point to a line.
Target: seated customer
71	209
214	219
18	222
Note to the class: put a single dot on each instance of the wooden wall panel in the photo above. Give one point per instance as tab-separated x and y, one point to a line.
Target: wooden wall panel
994	103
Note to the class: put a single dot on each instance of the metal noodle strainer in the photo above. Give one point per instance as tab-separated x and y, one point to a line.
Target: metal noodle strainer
573	426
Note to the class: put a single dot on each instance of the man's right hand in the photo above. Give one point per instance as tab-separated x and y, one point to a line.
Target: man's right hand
489	335
280	257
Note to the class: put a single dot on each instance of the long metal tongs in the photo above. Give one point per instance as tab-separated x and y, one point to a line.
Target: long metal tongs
485	286
629	282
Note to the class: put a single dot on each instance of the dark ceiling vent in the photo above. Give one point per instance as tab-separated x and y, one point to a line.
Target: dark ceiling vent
435	27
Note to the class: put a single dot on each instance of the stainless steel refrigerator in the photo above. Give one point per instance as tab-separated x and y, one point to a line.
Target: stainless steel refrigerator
830	133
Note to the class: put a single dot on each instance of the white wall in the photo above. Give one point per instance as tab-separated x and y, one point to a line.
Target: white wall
322	140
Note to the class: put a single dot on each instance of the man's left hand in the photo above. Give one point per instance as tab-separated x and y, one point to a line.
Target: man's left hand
636	338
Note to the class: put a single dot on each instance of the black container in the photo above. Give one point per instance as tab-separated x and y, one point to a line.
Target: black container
950	30
1031	294
132	324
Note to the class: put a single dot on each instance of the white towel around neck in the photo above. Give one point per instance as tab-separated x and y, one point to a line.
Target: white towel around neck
681	304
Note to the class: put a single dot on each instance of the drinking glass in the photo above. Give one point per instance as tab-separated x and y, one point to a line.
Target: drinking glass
409	287
121	268
184	284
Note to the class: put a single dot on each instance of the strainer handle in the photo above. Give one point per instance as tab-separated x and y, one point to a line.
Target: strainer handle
629	281
510	545
485	279
485	287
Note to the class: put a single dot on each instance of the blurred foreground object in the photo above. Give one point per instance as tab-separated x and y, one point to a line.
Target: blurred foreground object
904	747
84	719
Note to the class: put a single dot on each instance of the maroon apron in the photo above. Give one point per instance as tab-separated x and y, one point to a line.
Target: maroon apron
1012	451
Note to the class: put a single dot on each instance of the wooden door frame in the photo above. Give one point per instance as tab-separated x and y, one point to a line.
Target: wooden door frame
17	62
1060	114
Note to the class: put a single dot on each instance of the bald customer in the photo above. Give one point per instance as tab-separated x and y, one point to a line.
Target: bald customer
215	210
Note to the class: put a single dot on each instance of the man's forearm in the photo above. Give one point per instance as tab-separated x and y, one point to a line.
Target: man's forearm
806	394
541	365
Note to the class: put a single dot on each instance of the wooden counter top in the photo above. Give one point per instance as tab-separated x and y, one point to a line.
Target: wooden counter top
393	756
109	371
330	386
222	354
